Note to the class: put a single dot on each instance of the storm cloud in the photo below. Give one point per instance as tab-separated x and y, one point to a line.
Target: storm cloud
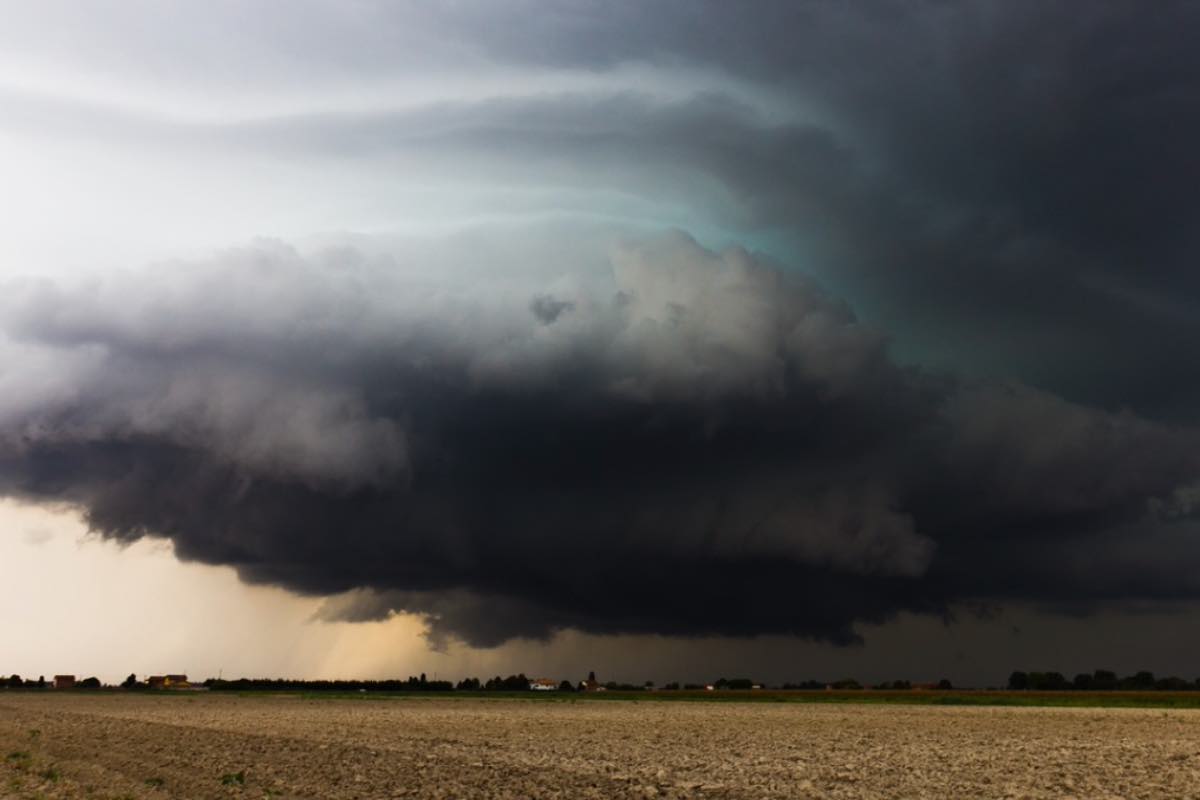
680	318
692	443
1007	188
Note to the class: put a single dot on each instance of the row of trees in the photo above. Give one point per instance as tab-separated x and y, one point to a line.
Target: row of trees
1101	680
16	682
412	684
513	683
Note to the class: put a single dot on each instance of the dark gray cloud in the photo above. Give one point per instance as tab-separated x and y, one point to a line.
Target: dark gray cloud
700	445
1011	185
502	438
1008	188
547	308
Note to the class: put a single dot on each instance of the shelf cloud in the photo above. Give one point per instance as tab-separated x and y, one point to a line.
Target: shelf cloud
693	442
676	318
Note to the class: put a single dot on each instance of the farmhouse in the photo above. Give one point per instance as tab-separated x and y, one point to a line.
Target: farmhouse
168	682
543	685
64	681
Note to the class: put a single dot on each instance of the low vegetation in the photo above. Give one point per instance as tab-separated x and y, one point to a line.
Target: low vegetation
1034	688
234	778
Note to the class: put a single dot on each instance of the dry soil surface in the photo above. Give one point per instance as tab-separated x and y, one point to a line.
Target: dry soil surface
110	746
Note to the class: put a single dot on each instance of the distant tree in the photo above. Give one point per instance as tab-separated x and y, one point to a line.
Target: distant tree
131	682
846	683
468	685
648	684
671	687
1082	682
15	682
1018	681
41	684
1104	680
1139	681
945	685
89	683
566	686
615	686
1048	681
591	677
513	683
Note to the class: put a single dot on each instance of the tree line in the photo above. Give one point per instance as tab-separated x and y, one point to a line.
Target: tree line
513	683
1101	680
16	682
413	683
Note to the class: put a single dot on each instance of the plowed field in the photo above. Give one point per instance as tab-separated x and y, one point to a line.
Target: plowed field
108	746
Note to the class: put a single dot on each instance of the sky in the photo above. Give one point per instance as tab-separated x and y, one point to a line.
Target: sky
787	339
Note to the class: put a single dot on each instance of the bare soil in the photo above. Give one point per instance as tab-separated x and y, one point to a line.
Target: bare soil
119	746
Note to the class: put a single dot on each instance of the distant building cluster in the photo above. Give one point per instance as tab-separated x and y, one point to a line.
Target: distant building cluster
168	682
591	684
588	684
177	682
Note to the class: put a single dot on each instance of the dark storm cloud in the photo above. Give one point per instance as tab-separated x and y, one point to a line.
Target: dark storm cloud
1007	187
1006	183
697	444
